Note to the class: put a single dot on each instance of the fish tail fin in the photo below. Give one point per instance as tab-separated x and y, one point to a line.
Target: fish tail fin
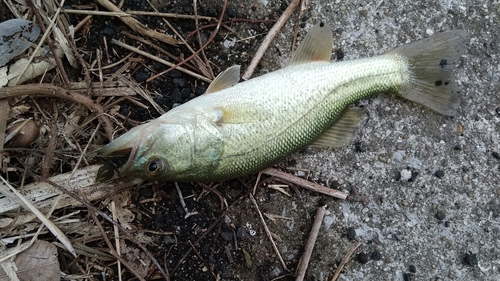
430	64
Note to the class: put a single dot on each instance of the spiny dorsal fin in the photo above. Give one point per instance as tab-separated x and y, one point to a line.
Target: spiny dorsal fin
341	133
225	79
317	46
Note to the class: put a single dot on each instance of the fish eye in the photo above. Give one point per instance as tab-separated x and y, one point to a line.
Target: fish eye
154	167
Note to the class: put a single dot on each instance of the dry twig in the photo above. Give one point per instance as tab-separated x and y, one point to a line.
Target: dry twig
54	91
306	256
269	37
306	184
345	260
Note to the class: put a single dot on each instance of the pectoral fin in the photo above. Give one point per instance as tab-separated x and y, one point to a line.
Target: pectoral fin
317	46
237	114
341	133
225	79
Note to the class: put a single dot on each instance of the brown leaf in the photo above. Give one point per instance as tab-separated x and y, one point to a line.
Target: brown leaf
38	262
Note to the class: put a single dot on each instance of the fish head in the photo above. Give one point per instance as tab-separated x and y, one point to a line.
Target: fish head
150	151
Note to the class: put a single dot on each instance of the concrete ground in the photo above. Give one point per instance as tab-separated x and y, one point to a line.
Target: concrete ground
434	181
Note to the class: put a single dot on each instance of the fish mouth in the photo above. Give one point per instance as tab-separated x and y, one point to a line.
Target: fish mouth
117	156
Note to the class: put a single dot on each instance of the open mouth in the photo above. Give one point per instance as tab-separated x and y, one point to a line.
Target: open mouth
116	161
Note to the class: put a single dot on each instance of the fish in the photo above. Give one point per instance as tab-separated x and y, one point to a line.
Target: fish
235	129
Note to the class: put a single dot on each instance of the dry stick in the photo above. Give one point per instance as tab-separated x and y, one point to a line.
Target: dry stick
207	63
172	66
137	26
58	92
51	44
129	13
306	256
117	239
306	184
106	217
269	235
214	33
269	37
110	246
345	260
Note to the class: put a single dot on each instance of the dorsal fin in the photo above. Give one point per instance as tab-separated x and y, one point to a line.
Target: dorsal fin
225	79
317	46
341	133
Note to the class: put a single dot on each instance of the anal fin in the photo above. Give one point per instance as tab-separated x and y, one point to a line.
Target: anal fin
341	133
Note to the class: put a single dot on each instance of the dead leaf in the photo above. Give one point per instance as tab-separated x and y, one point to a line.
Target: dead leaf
38	262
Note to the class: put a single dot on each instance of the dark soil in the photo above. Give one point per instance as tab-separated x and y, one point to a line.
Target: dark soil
213	243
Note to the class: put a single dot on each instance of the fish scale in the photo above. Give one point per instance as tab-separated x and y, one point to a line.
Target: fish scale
235	129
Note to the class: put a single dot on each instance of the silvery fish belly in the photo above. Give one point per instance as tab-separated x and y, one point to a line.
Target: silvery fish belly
236	129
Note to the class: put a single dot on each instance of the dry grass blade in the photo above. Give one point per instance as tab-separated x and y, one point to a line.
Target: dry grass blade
4	115
129	13
137	26
27	204
195	54
268	232
345	260
128	47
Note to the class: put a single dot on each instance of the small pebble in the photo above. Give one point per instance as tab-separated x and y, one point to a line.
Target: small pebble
360	147
439	174
495	155
440	215
405	175
242	233
376	256
362	258
181	82
167	240
351	233
470	259
227	235
176	95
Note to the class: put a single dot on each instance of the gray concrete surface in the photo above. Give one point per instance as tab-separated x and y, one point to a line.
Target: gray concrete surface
450	207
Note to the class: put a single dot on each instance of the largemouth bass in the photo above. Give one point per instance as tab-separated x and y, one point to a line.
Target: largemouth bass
235	129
